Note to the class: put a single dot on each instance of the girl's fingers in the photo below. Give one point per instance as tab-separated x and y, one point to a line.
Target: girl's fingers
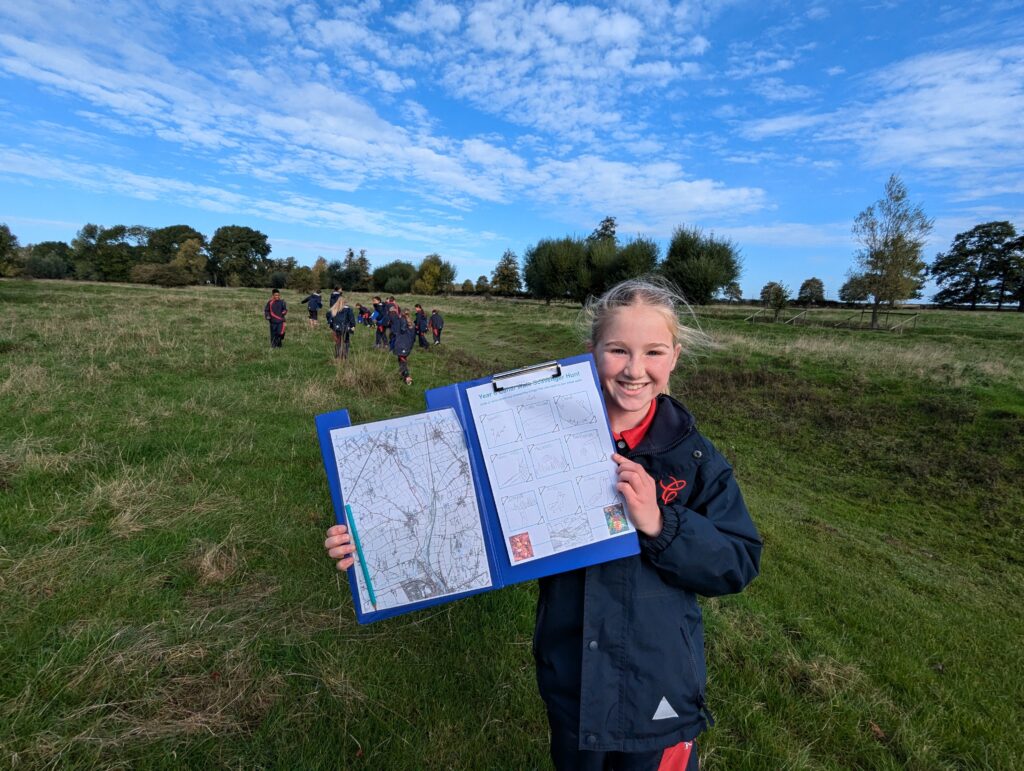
627	492
337	537
343	550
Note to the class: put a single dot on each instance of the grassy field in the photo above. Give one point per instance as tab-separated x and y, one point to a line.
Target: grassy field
165	602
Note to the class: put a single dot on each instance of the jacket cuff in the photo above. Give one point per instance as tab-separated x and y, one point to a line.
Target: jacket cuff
669	528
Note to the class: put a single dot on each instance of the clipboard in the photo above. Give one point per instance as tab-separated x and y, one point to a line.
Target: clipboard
503	571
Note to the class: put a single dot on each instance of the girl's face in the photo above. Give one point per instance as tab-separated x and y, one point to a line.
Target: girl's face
634	358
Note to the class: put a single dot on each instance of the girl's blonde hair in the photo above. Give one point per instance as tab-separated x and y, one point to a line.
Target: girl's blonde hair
655	292
338	305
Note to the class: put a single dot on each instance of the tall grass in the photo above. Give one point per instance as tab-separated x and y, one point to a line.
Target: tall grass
164	601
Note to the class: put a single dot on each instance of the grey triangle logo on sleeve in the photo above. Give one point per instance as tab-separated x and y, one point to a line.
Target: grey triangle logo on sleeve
664	711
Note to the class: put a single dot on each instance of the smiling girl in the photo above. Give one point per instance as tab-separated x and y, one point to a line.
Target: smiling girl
619	647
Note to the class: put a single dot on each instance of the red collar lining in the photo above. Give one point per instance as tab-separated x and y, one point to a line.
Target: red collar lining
633	436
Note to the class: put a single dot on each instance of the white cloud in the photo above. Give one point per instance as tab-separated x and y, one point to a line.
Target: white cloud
795	234
782	125
429	16
656	194
291	208
338	33
698	46
949	113
775	90
748	64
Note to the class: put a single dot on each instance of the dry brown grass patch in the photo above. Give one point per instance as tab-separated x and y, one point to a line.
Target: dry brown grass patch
822	676
26	381
365	373
216	563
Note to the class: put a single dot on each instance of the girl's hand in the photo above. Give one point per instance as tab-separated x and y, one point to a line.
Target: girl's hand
340	547
641	494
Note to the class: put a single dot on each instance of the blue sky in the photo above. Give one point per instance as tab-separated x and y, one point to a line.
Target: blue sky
470	128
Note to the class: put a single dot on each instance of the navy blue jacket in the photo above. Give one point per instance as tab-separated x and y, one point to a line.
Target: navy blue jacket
275	310
436	321
344	321
316	302
420	322
614	639
405	335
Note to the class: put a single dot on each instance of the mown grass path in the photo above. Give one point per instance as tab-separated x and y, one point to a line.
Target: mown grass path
165	602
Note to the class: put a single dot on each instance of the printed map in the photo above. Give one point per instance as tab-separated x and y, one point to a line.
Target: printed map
409	485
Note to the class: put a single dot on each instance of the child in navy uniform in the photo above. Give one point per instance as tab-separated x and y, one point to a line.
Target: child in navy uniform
381	320
436	325
315	302
619	646
343	321
393	310
275	311
404	337
420	324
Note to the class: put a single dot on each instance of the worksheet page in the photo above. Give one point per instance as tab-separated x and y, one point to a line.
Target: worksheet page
547	448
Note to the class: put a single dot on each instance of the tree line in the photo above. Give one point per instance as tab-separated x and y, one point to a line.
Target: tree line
179	255
983	266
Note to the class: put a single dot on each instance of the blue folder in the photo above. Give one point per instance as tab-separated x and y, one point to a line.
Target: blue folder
502	571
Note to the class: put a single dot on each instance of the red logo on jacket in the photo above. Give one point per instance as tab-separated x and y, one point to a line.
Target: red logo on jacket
670	491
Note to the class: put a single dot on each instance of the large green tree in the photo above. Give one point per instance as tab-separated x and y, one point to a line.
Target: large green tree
700	264
353	274
505	278
394	278
892	234
812	291
191	260
49	259
239	255
636	258
980	266
434	275
8	249
976	267
163	243
556	269
600	266
1015	273
775	295
108	254
855	289
118	251
84	247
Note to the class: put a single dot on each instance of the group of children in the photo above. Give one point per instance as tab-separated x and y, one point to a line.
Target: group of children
619	646
393	330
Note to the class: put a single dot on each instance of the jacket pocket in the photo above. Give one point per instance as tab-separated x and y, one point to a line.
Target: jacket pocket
696	673
697	693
